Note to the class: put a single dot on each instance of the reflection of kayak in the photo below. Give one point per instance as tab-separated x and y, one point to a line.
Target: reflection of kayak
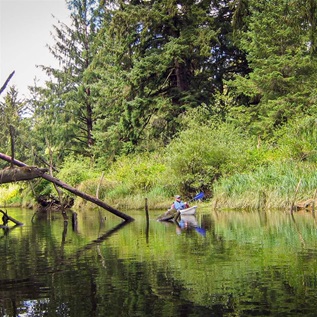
189	220
188	211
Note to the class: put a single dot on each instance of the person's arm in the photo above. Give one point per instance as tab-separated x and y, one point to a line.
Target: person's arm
178	205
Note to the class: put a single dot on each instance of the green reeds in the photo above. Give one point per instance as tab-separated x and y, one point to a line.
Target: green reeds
270	186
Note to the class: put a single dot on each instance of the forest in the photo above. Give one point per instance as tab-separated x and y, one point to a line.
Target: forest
154	98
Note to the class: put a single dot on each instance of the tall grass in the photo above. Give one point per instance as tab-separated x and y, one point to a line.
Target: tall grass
271	186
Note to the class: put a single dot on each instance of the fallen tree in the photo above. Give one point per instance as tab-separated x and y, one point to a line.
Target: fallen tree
10	175
70	189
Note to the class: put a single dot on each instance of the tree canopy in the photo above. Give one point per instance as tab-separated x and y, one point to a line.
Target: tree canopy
132	73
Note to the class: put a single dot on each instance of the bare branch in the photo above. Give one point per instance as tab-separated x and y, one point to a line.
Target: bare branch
6	82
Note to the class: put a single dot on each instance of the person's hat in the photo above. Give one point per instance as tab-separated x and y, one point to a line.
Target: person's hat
177	196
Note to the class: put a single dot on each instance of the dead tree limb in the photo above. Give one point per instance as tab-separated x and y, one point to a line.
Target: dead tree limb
6	82
12	140
72	190
59	192
6	218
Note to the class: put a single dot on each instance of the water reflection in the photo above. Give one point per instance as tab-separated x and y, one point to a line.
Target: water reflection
187	223
242	264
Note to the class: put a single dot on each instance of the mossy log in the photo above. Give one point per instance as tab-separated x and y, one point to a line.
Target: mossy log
16	174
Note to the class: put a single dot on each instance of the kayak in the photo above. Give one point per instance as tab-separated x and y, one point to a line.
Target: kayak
188	211
172	213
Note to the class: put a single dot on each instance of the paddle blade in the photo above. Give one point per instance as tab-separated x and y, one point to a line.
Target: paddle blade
201	231
199	196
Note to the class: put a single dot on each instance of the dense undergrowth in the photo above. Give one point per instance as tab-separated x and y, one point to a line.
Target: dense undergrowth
234	169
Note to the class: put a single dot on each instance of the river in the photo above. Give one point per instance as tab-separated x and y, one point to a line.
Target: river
223	263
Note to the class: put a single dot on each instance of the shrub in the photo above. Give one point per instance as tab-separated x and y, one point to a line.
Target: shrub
298	140
76	170
137	173
9	194
204	152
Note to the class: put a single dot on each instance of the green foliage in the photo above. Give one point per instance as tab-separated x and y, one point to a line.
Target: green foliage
209	150
76	170
156	60
298	140
139	173
14	126
281	84
273	185
9	194
63	109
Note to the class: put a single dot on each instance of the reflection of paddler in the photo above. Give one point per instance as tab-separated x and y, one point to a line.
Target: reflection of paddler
189	220
201	231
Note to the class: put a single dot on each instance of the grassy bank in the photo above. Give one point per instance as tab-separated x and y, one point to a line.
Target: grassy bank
236	170
273	186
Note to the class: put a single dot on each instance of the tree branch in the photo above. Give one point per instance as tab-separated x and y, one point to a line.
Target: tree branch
6	82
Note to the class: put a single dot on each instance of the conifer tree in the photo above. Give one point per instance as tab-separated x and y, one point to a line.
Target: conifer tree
14	124
155	60
280	45
66	103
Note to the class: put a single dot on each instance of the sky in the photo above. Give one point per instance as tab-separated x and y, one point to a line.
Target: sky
25	32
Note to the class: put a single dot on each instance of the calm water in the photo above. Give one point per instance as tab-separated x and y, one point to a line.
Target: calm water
230	264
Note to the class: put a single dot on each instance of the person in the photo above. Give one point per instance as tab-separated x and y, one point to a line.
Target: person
178	204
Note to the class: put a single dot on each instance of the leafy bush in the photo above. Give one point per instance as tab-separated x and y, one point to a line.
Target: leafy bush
298	140
205	151
9	194
136	173
76	170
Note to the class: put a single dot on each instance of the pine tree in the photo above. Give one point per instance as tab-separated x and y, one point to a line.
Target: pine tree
280	46
155	60
66	103
14	125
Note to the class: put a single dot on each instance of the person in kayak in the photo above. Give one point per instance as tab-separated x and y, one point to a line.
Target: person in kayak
178	204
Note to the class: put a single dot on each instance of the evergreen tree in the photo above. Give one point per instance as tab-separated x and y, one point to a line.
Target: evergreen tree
64	108
155	60
14	125
280	46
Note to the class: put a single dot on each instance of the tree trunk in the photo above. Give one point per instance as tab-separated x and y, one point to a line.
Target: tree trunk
71	189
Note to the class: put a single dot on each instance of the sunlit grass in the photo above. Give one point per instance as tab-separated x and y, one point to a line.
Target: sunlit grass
9	194
273	186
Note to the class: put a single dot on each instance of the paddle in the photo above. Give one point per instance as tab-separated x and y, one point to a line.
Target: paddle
201	231
198	196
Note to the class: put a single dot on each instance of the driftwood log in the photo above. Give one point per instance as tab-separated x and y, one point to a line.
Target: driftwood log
71	189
